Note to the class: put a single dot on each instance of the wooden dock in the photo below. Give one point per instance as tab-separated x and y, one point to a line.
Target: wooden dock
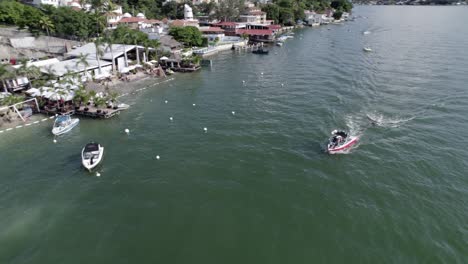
87	111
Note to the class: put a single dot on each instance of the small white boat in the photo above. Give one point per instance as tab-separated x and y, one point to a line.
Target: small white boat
123	106
279	44
366	32
64	124
340	141
367	49
91	155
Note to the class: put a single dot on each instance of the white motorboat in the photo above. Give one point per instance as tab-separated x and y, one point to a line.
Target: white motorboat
367	49
366	32
91	155
64	124
279	44
123	106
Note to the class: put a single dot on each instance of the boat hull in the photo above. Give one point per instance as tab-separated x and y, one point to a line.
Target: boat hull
86	162
58	131
344	147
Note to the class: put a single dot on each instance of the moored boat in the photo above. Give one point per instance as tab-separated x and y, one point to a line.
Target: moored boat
340	141
64	124
367	49
91	155
260	51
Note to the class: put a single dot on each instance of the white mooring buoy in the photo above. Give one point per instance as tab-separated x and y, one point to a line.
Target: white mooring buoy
98	174
170	118
205	129
157	157
233	112
165	102
127	131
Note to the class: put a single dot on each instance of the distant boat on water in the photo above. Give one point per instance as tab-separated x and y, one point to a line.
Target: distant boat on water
366	32
261	51
367	49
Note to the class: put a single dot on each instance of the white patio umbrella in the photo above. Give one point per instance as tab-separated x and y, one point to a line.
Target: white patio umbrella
33	92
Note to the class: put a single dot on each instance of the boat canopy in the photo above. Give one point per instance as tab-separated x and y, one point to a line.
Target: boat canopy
62	118
91	147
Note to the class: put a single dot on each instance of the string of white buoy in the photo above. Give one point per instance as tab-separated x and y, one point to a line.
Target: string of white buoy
27	124
144	88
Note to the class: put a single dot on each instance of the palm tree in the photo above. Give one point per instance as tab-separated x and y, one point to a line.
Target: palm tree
150	44
125	37
28	71
46	24
109	40
83	59
99	53
81	96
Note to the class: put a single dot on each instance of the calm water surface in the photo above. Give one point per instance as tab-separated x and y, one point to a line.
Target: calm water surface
257	187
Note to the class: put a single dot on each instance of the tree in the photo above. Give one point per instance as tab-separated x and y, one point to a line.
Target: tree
99	53
83	60
273	12
341	5
337	15
46	24
28	71
189	35
207	9
109	40
229	10
150	44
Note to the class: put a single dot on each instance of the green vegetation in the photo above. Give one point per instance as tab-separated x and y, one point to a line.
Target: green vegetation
14	13
287	12
190	36
63	21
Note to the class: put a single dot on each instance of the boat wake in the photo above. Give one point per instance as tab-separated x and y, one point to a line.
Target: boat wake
384	121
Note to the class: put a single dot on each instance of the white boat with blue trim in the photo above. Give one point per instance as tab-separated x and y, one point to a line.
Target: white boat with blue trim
64	124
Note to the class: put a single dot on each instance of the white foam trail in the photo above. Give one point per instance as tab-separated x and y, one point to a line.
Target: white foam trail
384	121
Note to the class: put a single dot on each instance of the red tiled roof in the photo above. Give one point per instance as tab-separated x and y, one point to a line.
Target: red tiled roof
212	29
132	20
154	21
255	32
274	27
182	23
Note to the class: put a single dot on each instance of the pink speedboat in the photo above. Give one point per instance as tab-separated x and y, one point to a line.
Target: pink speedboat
340	141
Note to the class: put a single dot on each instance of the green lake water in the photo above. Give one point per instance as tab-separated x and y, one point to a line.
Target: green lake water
258	187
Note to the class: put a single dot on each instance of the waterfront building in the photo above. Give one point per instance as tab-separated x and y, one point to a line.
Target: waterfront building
253	16
213	33
257	35
122	55
230	28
